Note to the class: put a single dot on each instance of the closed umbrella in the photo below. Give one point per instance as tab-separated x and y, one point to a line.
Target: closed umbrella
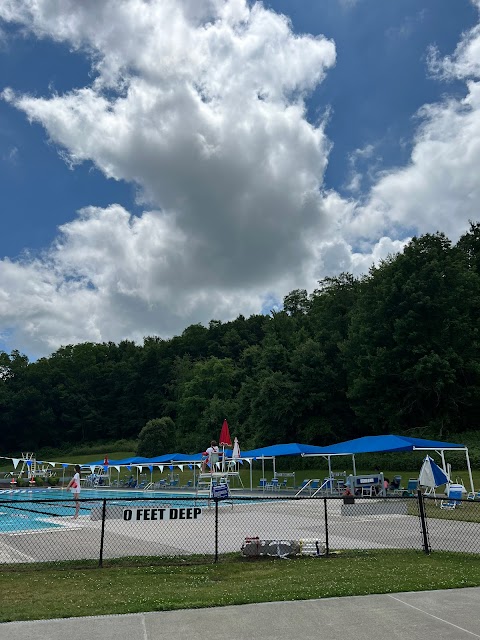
236	450
431	475
236	453
224	441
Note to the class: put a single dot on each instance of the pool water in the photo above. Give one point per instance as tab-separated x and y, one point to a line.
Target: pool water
23	510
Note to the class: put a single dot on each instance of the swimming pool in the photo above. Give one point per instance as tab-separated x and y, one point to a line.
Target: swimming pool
23	510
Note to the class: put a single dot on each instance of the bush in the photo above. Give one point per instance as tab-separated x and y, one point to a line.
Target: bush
53	481
39	482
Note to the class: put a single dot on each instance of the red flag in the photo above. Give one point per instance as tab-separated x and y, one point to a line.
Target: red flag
225	439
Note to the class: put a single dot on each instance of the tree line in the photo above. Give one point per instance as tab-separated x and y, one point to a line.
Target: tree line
394	351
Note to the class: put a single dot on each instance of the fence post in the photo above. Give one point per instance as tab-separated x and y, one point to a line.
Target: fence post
216	529
326	527
104	510
423	520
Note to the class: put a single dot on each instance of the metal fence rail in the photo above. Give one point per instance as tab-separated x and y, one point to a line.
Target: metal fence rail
34	530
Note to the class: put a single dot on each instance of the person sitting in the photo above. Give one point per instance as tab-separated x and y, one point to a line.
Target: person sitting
211	458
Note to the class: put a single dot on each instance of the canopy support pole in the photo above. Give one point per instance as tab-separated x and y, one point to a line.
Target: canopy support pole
442	454
469	470
251	474
274	470
330	473
263	473
353	463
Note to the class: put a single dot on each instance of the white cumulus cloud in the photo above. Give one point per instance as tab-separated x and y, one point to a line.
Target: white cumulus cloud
202	105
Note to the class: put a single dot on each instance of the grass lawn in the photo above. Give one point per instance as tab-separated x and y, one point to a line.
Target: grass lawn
128	587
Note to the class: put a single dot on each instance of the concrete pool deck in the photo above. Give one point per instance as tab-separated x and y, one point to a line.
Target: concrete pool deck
427	615
284	520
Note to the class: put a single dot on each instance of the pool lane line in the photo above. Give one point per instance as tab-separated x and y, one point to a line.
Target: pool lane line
47	513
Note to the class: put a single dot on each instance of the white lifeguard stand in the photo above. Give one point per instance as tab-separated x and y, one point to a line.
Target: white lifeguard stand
35	469
31	469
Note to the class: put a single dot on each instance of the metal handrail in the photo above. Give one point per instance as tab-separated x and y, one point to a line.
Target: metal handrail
304	487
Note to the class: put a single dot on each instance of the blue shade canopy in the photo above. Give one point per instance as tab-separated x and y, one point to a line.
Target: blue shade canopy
112	463
383	444
184	457
277	450
367	444
167	457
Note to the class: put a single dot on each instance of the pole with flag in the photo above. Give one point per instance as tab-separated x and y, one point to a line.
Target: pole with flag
224	441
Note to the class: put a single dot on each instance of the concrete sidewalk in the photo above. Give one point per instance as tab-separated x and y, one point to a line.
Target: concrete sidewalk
428	615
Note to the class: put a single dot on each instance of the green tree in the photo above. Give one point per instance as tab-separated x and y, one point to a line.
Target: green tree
413	351
156	438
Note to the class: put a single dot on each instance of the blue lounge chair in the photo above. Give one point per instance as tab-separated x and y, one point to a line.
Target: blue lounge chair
314	485
453	501
412	486
395	483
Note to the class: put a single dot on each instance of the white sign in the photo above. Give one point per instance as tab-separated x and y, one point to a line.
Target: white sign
158	514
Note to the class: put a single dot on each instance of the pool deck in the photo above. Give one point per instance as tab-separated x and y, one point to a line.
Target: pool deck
271	520
429	615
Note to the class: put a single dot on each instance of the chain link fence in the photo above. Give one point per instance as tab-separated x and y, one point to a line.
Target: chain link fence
198	529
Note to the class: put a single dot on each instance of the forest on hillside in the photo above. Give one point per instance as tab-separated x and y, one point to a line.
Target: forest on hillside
395	351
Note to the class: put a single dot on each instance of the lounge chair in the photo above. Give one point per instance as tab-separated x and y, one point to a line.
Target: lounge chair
314	485
273	485
395	483
453	501
412	487
262	484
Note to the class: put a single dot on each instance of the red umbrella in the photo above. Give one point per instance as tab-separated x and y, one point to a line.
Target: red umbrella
225	439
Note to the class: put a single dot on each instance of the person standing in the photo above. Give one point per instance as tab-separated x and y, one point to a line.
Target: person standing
74	485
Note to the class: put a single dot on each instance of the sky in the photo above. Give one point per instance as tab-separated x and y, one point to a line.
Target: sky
169	162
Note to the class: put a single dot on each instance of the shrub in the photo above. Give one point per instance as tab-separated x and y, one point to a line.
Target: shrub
53	481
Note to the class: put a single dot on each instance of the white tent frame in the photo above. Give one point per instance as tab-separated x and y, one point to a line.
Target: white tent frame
438	451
